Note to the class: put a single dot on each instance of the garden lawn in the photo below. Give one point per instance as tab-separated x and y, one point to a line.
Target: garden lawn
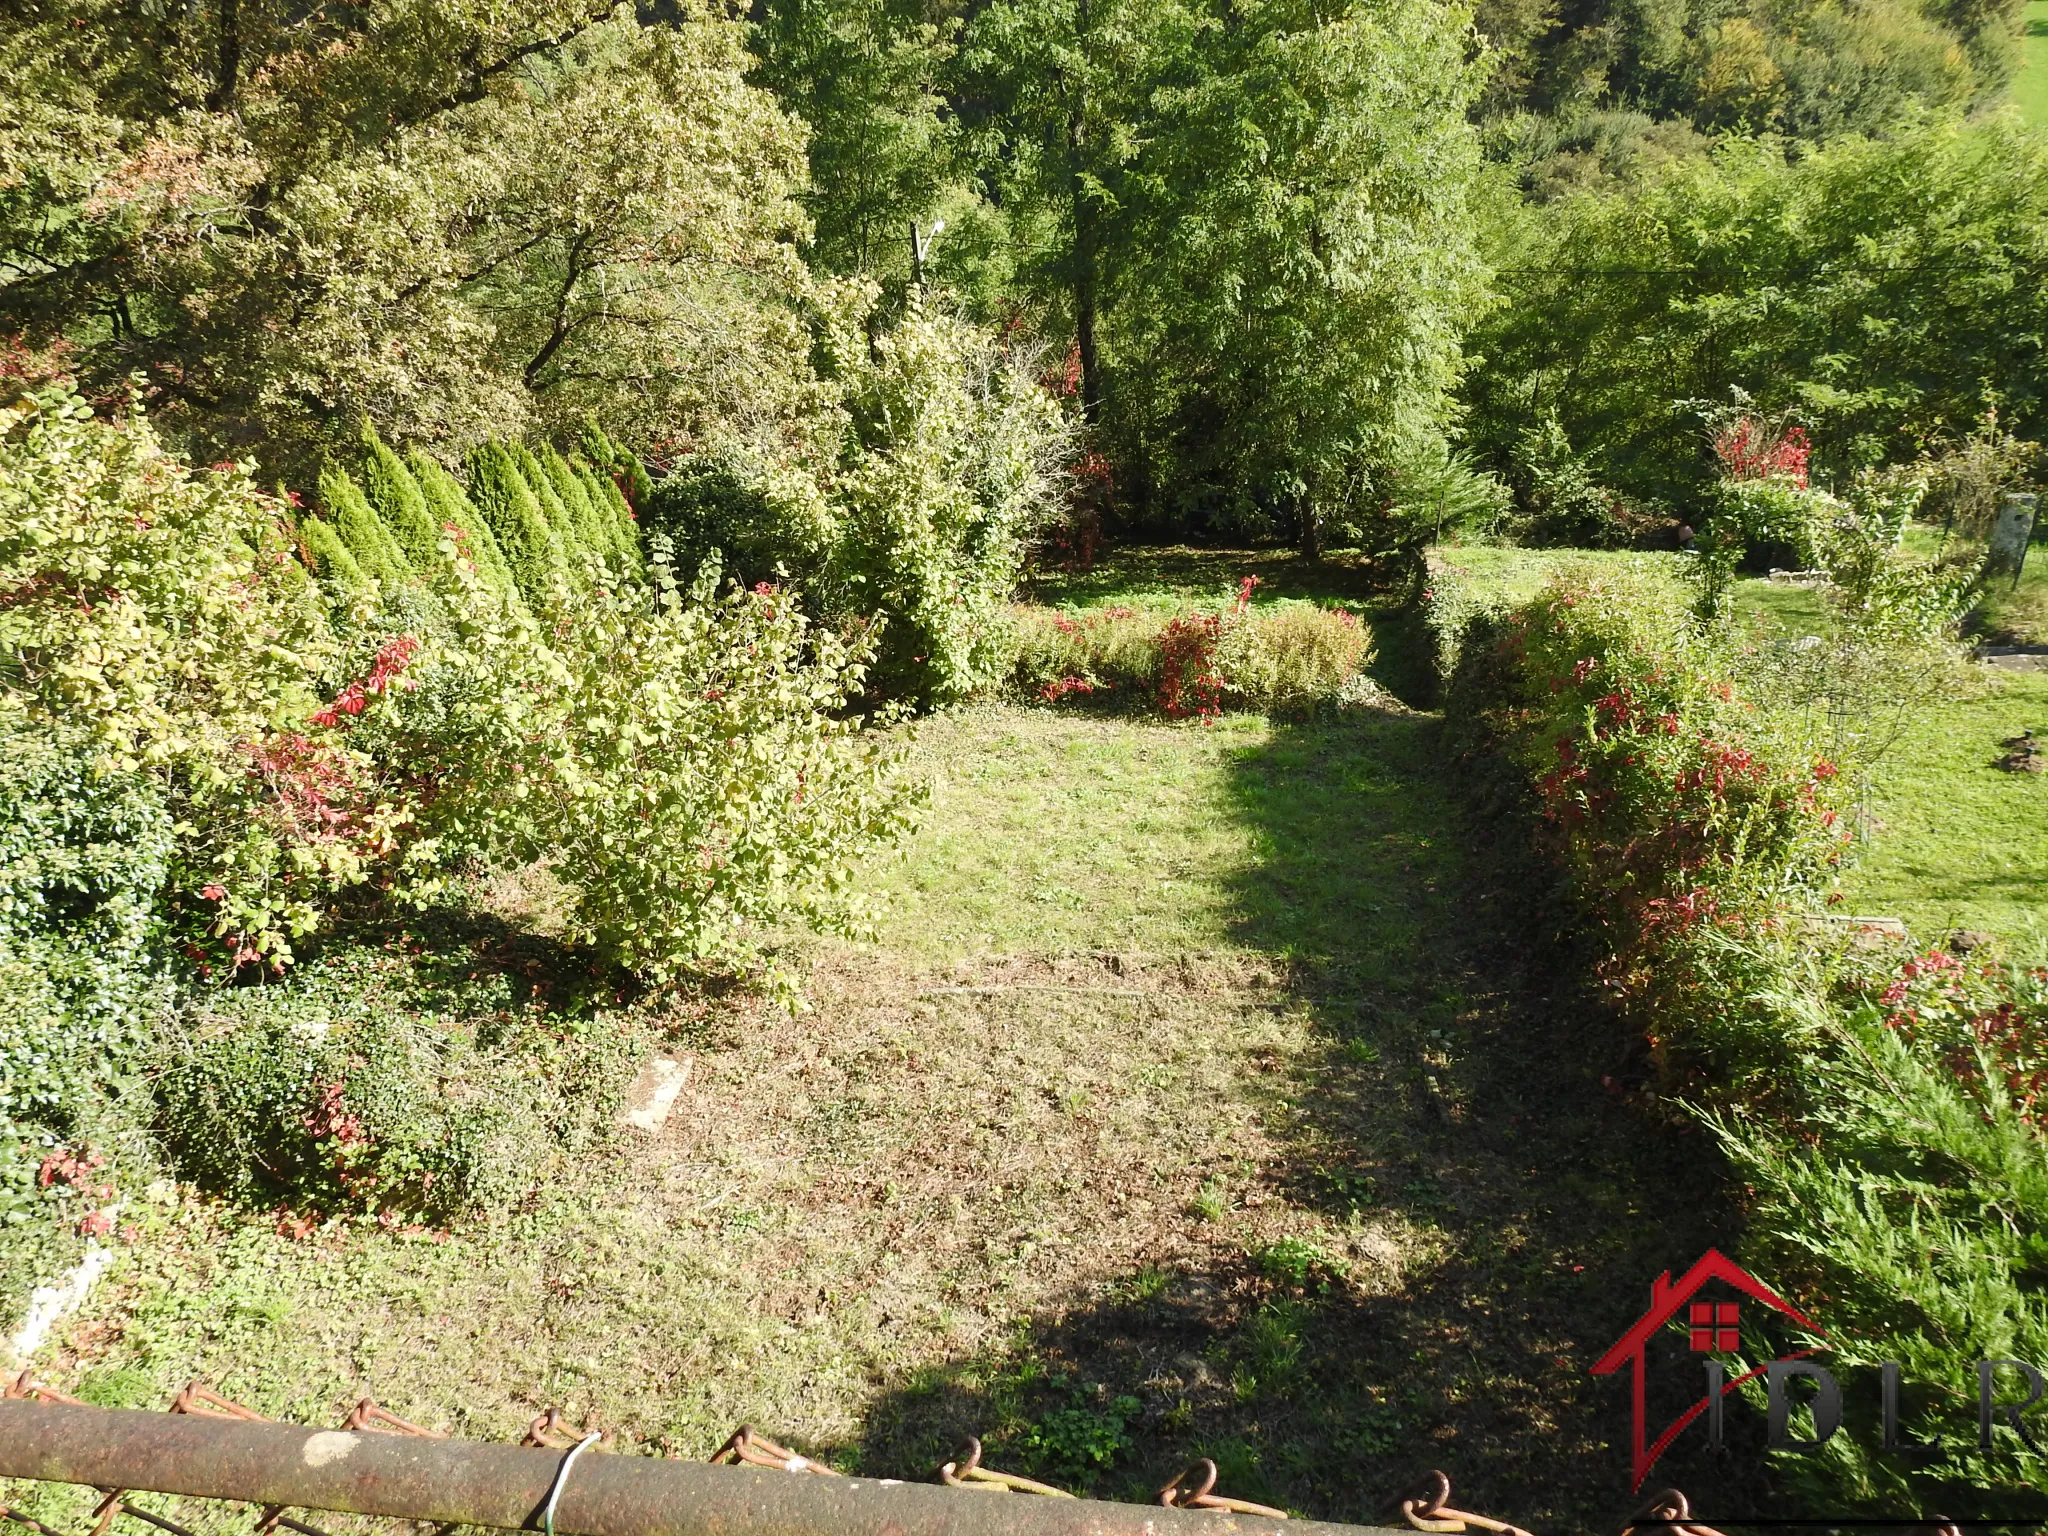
2016	612
1960	843
2030	85
1201	1096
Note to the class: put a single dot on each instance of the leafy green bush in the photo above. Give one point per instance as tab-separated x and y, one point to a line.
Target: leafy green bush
1563	503
83	856
697	780
916	504
1677	802
1090	649
161	617
364	1085
204	745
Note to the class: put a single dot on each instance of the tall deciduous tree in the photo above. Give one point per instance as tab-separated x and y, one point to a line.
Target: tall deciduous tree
452	217
1059	91
1888	290
866	76
1301	259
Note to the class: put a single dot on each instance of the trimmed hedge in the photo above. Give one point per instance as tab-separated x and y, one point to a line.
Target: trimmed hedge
1884	1108
1290	657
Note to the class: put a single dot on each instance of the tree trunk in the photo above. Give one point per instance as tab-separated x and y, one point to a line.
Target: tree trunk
1087	235
1084	336
1309	521
228	65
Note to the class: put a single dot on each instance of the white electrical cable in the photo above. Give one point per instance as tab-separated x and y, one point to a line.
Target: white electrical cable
562	1478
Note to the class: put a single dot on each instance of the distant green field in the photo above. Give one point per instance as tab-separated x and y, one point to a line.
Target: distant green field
2030	89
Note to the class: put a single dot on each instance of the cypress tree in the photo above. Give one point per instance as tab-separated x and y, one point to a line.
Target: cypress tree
593	530
360	529
332	563
612	511
596	447
449	506
514	514
567	536
633	478
620	466
399	503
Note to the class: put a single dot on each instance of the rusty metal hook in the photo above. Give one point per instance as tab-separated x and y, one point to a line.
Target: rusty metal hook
757	1450
1669	1513
1432	1511
966	1471
1179	1495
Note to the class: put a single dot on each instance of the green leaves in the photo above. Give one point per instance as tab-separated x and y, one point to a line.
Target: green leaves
697	784
913	503
1873	284
455	220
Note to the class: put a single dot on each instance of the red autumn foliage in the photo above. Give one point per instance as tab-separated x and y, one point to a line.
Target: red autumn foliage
1751	448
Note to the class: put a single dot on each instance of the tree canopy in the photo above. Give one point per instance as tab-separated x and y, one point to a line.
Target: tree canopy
449	219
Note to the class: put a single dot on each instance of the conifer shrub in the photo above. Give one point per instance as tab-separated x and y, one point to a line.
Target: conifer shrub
1891	1146
362	532
451	509
568	538
532	552
614	516
620	467
395	496
329	558
593	533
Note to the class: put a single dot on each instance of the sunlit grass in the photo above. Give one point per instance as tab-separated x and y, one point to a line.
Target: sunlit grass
2030	86
1962	843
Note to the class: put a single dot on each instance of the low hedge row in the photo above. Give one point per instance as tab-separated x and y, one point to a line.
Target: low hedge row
1881	1104
1289	657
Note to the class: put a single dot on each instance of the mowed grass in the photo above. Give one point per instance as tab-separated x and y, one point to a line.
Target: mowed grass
2030	85
1960	842
1192	1101
1055	832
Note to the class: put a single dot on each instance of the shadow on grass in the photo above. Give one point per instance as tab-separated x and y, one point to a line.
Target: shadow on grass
1489	1217
450	943
1200	575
